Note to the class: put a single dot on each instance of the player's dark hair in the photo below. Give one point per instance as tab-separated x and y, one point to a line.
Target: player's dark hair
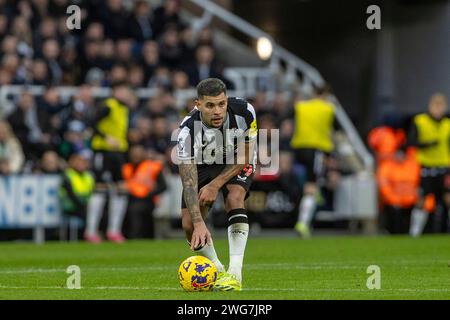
324	89
211	87
120	83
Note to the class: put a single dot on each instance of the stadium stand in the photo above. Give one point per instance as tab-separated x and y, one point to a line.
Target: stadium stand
52	82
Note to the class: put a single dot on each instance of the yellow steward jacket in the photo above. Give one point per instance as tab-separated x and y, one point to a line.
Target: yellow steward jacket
313	125
115	124
430	130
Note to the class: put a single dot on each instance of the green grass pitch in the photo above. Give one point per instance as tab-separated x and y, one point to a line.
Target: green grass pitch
275	268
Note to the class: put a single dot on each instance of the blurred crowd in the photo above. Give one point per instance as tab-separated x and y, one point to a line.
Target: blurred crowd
140	46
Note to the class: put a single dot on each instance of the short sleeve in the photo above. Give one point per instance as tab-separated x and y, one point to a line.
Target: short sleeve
185	145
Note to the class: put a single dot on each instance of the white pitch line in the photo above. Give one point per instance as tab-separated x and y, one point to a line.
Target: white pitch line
245	289
260	266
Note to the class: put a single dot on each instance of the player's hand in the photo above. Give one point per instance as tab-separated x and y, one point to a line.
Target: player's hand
200	236
113	142
207	195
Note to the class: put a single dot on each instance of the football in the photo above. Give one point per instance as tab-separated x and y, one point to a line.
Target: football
197	273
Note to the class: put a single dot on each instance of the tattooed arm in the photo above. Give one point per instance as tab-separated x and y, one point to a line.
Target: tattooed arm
231	170
188	174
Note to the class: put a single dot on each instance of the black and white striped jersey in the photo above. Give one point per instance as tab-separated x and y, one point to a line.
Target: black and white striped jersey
205	145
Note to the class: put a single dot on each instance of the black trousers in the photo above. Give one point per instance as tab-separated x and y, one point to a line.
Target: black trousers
139	220
396	220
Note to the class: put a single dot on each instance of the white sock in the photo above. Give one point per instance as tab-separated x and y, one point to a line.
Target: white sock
237	240
306	210
208	251
117	210
94	212
419	218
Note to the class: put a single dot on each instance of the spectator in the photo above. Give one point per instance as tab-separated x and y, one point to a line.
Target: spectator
11	154
77	185
21	30
136	76
50	163
180	80
75	139
3	25
150	59
82	106
51	53
58	8
160	135
118	73
40	73
143	180
108	54
140	23
123	51
9	45
114	19
204	66
31	126
170	48
167	14
92	57
188	45
46	30
160	78
71	69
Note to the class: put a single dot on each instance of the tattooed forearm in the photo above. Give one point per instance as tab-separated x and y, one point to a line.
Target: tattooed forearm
188	174
227	173
232	170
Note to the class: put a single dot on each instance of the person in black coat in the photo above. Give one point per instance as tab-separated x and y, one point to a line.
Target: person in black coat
140	24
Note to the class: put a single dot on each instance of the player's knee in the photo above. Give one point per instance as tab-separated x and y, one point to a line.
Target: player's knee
235	200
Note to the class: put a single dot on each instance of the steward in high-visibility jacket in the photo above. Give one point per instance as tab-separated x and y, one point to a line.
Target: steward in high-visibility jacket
430	133
432	137
312	139
110	138
312	143
144	179
77	185
398	181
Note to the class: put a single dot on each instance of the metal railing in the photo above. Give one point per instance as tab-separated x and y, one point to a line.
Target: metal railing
293	64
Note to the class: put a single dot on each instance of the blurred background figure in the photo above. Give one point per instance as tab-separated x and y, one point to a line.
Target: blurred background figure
398	178
11	154
110	146
144	181
430	134
77	185
312	143
49	163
